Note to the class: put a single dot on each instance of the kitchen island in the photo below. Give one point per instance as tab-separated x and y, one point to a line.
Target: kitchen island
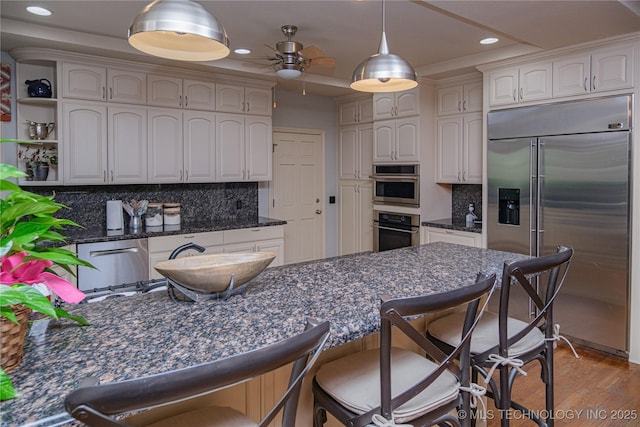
146	334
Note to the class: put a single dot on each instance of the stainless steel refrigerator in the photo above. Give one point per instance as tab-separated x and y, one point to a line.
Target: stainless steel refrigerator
559	174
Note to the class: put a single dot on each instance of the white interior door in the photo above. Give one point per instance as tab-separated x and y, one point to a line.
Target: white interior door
297	193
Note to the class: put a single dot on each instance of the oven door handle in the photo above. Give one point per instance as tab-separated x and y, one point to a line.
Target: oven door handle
396	229
395	177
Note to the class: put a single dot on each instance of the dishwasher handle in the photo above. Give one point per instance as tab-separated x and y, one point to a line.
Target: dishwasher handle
108	252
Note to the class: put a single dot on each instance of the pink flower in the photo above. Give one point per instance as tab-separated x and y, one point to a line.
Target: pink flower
15	270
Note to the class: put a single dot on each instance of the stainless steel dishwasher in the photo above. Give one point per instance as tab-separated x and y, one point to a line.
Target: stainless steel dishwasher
118	262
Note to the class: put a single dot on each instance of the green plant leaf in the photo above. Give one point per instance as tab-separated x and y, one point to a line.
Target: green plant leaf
79	319
6	387
8	313
9	171
28	296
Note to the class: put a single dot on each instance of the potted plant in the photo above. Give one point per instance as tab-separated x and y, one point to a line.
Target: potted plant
37	160
27	278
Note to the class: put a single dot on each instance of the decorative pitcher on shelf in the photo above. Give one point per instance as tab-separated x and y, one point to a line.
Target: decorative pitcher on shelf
40	130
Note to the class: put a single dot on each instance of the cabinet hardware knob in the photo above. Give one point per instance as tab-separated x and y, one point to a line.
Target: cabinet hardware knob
464	105
459	106
318	211
521	93
586	88
514	95
593	85
110	93
186	100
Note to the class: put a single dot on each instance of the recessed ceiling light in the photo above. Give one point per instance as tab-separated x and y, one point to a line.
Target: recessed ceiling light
37	10
489	40
242	51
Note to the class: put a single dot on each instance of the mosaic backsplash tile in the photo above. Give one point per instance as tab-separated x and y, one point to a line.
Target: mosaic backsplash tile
199	202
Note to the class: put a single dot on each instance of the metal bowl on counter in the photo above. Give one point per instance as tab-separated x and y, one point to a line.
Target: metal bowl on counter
214	275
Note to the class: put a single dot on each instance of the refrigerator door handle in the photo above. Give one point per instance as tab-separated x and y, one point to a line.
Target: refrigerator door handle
539	197
533	197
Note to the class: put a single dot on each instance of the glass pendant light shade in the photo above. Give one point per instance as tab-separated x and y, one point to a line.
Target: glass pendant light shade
179	29
384	71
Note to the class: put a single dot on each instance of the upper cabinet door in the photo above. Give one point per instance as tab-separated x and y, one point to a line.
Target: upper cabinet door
165	145
503	86
365	110
571	76
127	145
84	81
348	113
163	91
535	81
229	147
126	86
449	100
229	98
258	149
408	103
383	106
199	95
407	140
199	146
84	133
472	100
612	69
257	101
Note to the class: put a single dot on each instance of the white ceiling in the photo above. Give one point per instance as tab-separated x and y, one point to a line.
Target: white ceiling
438	38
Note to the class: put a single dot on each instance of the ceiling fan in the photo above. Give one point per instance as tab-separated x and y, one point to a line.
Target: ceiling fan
291	59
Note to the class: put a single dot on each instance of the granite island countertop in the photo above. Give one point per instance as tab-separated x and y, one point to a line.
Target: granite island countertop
145	334
458	224
76	235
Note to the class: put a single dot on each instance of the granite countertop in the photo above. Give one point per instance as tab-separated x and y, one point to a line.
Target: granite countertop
458	224
92	235
146	334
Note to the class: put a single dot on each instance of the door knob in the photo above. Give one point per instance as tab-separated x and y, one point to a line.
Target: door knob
318	211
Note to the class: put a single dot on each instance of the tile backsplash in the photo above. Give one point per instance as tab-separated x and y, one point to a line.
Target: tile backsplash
199	202
462	195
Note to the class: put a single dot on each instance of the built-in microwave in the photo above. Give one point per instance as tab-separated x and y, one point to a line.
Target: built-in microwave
396	185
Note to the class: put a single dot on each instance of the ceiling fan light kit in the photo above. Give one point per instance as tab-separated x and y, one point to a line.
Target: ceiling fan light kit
182	30
384	71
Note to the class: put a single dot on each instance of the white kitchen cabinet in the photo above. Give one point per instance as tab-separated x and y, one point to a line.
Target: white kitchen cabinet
84	133
199	145
396	104
356	151
104	144
165	161
464	98
467	238
356	111
356	217
241	99
243	148
599	71
166	91
161	247
396	141
127	145
83	81
459	149
528	82
258	239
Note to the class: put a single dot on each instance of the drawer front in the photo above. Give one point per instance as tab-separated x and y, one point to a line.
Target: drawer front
253	234
169	243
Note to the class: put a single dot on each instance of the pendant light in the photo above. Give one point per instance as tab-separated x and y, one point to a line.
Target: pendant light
384	71
179	29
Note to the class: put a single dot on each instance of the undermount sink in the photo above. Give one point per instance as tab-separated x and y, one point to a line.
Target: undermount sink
212	273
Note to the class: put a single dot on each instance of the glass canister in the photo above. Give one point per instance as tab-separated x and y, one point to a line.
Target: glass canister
172	213
154	215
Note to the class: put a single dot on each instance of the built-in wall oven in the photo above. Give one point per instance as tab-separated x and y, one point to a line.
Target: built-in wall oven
392	230
396	185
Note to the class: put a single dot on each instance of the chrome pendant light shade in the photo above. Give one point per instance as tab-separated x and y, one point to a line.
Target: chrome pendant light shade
384	71
179	29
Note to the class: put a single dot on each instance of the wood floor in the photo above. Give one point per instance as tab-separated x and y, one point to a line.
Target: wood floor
596	390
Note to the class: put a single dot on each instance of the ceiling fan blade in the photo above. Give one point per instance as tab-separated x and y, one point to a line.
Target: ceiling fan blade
323	61
312	52
271	47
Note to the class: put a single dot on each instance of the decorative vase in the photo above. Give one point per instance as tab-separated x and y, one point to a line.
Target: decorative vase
12	337
40	171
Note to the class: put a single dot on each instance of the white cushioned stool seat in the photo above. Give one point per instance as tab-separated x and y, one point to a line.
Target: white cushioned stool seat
485	336
354	381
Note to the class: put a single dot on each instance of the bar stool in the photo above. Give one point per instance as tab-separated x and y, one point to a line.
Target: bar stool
100	405
504	344
390	385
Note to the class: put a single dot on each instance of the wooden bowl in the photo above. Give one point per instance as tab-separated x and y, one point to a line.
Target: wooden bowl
212	273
